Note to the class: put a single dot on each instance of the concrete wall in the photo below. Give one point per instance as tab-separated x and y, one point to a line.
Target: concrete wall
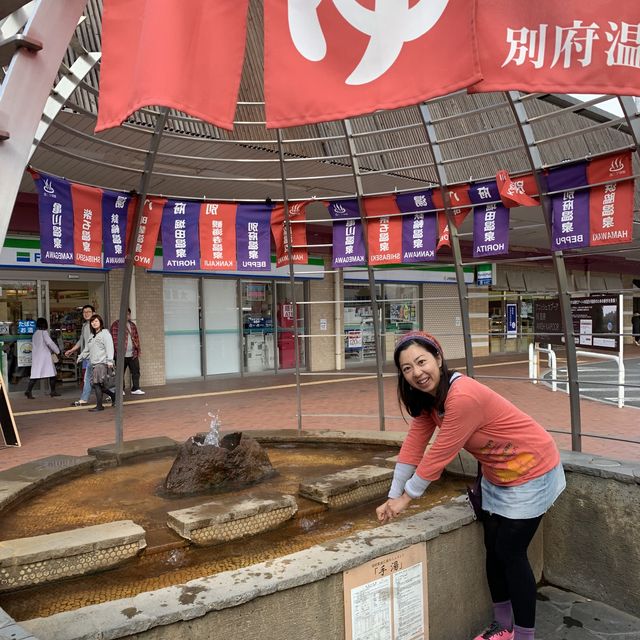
592	533
322	351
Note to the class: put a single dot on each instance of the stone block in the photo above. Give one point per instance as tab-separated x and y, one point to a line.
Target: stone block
349	487
29	561
216	522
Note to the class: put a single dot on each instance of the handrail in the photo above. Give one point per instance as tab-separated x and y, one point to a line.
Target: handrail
534	364
621	371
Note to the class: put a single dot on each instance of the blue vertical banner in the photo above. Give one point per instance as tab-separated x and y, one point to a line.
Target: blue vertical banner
570	208
115	222
512	320
253	237
55	211
419	226
180	235
348	240
490	220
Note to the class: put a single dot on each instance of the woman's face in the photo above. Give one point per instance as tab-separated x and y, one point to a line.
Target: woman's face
95	323
420	368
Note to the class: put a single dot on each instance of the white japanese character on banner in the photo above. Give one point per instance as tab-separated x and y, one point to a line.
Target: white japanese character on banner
389	26
625	45
526	44
578	38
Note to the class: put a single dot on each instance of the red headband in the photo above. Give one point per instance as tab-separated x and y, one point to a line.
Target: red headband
419	336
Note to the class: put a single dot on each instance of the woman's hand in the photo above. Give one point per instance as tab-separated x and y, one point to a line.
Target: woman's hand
392	507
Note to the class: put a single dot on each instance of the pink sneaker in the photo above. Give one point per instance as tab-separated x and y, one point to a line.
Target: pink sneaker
495	632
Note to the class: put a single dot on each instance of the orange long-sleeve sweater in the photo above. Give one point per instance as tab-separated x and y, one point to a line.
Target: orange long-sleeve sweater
511	446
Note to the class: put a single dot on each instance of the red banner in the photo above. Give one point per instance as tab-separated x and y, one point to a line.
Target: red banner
87	225
299	252
565	47
514	193
460	206
147	233
331	60
187	56
611	205
384	232
218	236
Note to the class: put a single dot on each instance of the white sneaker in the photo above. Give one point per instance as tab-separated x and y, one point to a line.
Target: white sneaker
137	392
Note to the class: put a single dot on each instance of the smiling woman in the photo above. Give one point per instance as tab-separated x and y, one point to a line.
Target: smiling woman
522	472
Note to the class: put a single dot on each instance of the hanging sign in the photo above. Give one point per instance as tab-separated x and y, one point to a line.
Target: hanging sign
87	225
459	199
55	210
253	238
180	250
297	216
490	220
146	235
218	236
418	226
384	231
118	210
570	207
348	241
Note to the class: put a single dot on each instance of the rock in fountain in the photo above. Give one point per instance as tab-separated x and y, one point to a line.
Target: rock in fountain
200	467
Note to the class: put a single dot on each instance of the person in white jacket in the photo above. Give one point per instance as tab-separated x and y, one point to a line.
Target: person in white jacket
42	346
99	351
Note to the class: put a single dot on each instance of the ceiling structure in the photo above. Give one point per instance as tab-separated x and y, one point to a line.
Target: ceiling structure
477	136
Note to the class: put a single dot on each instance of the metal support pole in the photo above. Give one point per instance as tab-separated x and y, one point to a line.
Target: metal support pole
632	116
355	167
292	280
559	267
443	184
143	190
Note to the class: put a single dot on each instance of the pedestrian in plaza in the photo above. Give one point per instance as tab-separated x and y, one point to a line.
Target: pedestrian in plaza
99	351
85	335
42	365
522	472
635	328
131	352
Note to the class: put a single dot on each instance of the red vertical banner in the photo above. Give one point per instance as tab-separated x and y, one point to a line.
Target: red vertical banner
384	230
87	225
460	206
217	228
299	252
147	232
611	204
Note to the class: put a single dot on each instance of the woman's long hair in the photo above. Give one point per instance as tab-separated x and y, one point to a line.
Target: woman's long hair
91	319
414	400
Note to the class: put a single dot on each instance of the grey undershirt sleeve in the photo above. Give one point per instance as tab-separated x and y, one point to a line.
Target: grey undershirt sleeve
416	486
401	474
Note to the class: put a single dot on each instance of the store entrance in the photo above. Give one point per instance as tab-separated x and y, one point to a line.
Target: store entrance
22	302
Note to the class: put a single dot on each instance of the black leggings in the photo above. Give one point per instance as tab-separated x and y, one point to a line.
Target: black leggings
509	573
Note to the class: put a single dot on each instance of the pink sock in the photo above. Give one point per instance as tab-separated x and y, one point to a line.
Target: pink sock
502	613
523	633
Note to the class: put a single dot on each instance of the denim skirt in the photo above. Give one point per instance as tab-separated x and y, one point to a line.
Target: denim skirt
528	500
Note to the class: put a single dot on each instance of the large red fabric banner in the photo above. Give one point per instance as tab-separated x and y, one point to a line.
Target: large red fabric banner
384	231
87	225
297	215
569	46
330	60
147	232
218	236
611	205
515	192
184	55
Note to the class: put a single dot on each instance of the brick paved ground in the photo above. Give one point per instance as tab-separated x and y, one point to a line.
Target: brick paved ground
49	425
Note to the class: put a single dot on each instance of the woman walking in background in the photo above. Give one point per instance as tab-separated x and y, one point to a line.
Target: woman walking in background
42	366
522	472
99	350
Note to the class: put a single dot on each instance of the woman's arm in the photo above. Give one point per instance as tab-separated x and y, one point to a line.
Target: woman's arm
51	344
108	346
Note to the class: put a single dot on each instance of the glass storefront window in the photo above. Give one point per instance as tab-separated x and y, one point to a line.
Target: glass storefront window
401	313
285	325
221	326
359	337
257	325
181	328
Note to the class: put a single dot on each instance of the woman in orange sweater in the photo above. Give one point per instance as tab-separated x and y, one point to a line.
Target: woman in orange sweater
522	472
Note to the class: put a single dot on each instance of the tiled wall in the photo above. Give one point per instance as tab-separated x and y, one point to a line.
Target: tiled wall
321	356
